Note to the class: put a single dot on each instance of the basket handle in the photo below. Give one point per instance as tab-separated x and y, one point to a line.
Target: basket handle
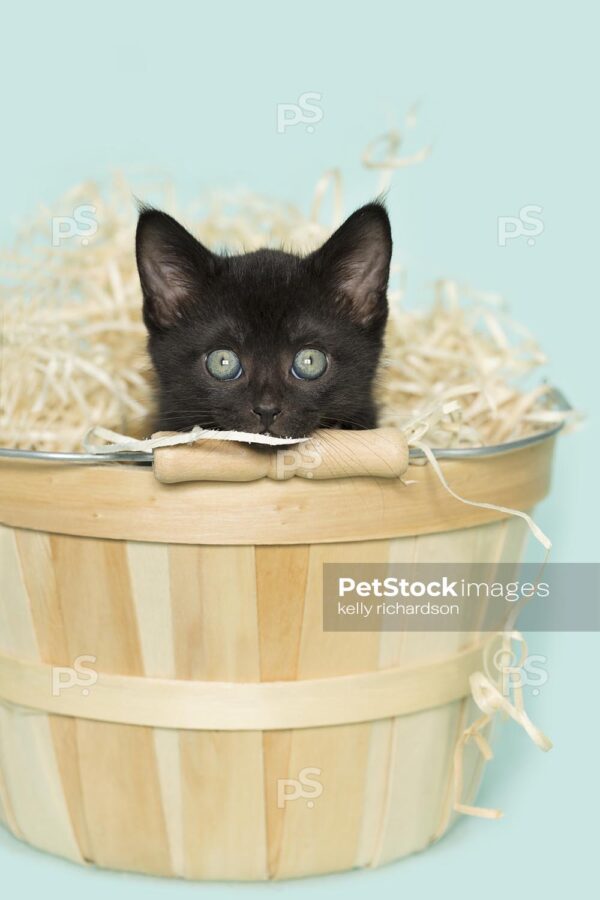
377	453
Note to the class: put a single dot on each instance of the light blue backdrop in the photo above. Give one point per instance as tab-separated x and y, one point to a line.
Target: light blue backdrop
509	98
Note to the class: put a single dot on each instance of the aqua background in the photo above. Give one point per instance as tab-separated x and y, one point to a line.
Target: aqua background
509	97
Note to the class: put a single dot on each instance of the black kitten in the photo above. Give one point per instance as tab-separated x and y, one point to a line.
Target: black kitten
265	341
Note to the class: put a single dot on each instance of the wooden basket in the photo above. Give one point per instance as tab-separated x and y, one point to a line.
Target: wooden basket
212	729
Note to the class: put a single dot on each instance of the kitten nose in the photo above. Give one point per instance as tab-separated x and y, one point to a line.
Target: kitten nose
266	414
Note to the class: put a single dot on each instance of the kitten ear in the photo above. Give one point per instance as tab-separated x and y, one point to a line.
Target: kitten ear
356	262
173	268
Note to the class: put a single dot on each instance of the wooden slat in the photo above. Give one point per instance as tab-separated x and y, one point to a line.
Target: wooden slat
117	763
34	800
7	816
325	837
35	553
213	593
150	582
33	785
281	574
382	738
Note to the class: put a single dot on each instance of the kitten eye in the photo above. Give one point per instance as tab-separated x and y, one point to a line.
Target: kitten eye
309	363
224	365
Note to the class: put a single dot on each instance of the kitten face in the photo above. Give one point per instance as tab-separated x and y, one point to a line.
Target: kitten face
265	341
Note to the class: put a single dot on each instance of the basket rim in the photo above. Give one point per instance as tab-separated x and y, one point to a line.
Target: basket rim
126	502
561	404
